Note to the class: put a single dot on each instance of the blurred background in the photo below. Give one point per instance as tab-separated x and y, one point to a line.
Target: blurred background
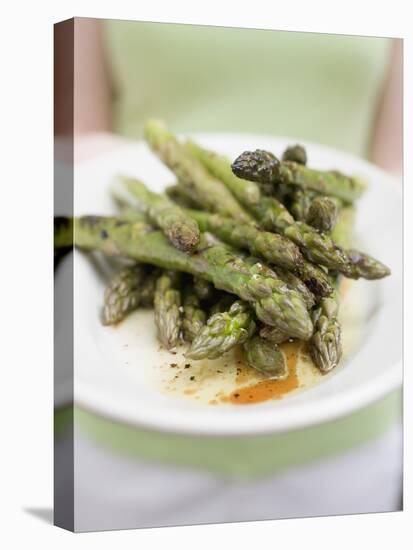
340	91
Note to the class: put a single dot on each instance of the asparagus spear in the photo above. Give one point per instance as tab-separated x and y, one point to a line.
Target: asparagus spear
296	200
203	289
364	266
132	215
178	194
361	264
167	305
272	247
259	243
325	344
223	303
128	288
265	356
220	167
295	153
262	166
355	264
274	303
194	316
272	214
310	281
191	174
296	284
342	232
223	331
322	213
315	278
299	204
273	334
180	230
318	248
148	289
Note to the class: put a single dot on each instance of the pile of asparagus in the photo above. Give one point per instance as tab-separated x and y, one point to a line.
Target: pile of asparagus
245	254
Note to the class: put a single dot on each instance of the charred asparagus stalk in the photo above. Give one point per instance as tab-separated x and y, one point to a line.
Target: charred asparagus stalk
167	306
266	357
200	185
220	167
296	284
317	247
322	213
181	230
272	247
310	281
263	166
203	289
342	232
178	194
130	214
128	289
315	278
361	264
273	335
295	153
222	332
272	215
299	204
274	303
223	303
325	344
148	288
364	266
355	264
194	316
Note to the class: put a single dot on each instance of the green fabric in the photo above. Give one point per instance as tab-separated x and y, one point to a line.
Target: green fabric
320	87
244	456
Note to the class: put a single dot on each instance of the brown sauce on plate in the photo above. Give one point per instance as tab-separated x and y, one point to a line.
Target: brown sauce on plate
267	389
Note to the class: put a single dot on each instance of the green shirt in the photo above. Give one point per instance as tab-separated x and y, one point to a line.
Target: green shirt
318	87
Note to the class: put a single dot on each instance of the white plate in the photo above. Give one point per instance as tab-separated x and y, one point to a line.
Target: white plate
113	366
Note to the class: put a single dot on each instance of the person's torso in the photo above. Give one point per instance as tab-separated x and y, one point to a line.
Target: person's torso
319	87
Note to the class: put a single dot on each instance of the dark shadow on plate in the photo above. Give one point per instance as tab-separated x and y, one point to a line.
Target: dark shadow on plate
45	514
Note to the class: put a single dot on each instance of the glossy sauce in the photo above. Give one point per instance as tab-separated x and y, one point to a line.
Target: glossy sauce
268	389
228	380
